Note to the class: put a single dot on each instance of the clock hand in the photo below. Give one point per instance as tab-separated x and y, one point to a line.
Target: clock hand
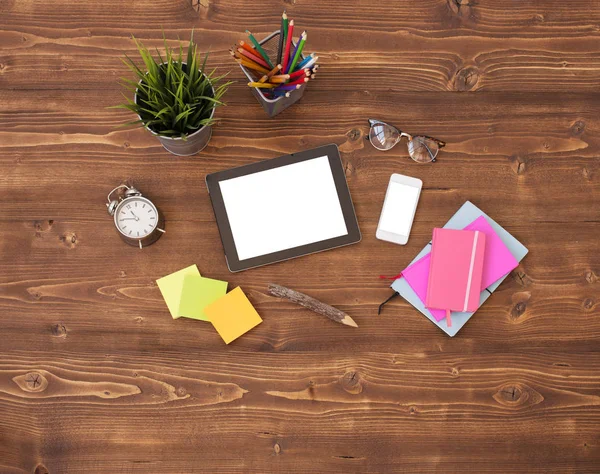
136	217
128	219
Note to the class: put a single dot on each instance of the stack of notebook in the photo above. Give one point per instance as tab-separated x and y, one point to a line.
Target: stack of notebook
497	253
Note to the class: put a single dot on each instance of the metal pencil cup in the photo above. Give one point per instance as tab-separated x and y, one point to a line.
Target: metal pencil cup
273	106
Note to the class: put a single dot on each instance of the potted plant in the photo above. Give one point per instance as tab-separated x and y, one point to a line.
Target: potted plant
175	99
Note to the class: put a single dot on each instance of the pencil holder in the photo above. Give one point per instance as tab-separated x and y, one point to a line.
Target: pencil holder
273	106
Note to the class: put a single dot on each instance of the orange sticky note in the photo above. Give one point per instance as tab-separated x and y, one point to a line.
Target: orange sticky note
232	315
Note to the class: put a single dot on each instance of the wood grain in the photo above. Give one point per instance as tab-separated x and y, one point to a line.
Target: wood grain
96	377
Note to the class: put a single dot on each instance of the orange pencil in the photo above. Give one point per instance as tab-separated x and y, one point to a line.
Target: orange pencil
250	49
251	57
271	73
280	79
286	56
252	65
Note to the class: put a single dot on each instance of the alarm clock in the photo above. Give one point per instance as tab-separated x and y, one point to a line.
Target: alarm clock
137	219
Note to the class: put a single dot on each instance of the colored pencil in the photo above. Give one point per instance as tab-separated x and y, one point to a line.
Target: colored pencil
260	49
250	49
300	81
298	52
299	73
288	87
272	72
262	85
250	56
288	43
252	65
282	32
311	62
280	79
302	63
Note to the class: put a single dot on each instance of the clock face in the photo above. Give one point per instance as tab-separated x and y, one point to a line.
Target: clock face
136	217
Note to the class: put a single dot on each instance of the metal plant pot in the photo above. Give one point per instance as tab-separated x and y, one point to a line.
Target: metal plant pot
190	145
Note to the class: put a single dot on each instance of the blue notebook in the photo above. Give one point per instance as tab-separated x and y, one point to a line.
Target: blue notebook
463	217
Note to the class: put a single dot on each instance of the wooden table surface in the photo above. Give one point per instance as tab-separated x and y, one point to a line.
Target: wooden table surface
95	375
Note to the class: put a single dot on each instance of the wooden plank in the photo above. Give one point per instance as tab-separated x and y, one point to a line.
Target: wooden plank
243	402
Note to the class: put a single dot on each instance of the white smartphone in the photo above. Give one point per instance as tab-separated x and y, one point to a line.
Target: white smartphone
399	209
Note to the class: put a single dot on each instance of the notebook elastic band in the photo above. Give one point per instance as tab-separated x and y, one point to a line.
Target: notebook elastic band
386	301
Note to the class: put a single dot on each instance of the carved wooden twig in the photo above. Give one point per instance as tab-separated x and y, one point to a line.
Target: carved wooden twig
312	304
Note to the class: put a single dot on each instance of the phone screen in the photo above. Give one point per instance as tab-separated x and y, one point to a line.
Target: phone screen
398	210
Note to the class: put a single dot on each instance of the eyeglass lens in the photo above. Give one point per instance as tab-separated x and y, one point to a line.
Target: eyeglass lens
423	149
383	136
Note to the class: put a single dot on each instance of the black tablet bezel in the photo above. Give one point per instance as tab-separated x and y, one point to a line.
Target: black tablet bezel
339	178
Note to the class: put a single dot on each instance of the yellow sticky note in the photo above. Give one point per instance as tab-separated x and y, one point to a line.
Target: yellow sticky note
197	293
171	285
232	315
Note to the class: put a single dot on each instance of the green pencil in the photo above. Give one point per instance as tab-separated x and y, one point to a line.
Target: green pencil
298	52
259	49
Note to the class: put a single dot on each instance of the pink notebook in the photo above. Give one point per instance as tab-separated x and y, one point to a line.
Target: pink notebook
455	270
497	262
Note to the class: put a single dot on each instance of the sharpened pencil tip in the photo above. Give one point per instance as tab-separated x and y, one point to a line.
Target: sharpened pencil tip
348	321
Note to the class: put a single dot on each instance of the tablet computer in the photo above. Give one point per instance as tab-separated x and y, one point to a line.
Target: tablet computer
283	208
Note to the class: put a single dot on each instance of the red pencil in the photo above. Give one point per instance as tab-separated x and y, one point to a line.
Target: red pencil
250	49
298	82
299	73
252	57
286	56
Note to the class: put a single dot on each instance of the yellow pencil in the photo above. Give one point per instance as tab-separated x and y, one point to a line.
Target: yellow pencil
262	85
251	65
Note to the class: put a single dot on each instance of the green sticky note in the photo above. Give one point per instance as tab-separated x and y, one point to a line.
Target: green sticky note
197	293
171	286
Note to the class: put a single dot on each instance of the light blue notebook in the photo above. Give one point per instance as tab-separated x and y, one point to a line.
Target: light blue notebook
463	217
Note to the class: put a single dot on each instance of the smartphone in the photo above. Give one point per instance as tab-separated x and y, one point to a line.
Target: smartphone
399	209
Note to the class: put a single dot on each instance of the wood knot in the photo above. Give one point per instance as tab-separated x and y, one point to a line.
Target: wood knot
351	382
578	128
277	448
588	303
353	134
31	382
41	469
455	372
348	168
538	18
69	239
58	330
466	79
521	278
42	226
518	164
412	410
518	310
590	277
517	396
181	391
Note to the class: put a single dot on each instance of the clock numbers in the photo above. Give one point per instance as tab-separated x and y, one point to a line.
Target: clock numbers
135	223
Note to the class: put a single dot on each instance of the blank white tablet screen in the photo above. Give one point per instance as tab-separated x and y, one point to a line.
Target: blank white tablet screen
283	208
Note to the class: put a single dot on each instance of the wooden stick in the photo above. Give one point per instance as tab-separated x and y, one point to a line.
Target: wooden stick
313	304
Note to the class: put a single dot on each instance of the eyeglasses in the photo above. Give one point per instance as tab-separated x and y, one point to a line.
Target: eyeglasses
421	148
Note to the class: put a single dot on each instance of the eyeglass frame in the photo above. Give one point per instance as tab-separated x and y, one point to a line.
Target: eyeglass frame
372	122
